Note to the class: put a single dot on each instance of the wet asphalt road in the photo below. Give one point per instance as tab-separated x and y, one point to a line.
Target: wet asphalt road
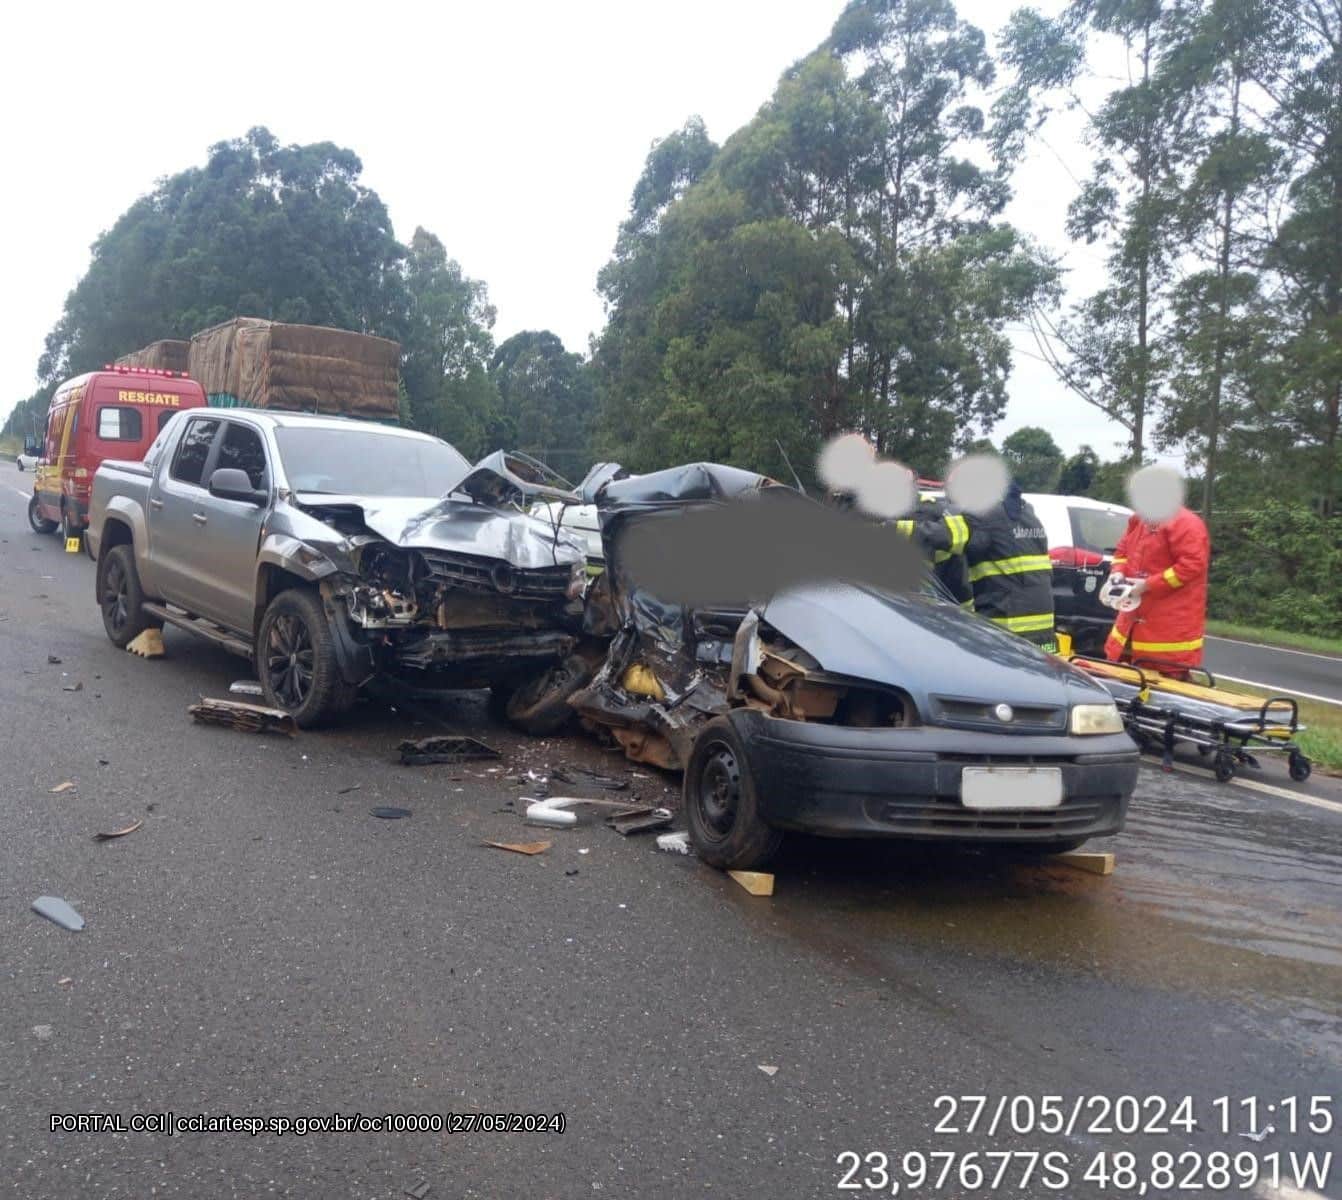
1295	672
262	946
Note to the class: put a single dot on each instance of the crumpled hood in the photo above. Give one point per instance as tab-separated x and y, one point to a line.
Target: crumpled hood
926	648
461	526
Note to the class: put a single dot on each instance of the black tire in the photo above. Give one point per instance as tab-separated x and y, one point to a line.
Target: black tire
540	706
1224	767
296	660
721	806
1299	766
69	531
40	524
120	596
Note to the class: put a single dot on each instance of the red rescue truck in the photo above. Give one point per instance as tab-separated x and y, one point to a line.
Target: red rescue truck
113	413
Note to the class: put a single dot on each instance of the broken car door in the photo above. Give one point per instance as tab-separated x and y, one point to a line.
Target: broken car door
177	518
233	527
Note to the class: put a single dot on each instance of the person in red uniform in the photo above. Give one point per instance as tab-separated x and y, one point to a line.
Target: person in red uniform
1165	548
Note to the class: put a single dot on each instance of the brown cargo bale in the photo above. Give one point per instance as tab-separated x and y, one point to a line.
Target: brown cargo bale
308	368
167	354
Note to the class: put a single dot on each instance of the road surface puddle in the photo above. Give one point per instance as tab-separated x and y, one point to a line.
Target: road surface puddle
1215	889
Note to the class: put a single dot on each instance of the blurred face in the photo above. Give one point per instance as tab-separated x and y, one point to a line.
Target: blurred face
977	483
1156	494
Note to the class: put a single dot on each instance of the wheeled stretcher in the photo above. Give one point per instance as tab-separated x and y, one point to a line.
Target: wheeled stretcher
1161	712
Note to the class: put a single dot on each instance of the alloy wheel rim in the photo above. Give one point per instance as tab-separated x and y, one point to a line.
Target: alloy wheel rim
116	597
289	660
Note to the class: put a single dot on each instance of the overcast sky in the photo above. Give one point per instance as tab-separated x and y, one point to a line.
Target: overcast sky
513	131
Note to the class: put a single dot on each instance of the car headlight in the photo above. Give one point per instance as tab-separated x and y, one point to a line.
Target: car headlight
1096	718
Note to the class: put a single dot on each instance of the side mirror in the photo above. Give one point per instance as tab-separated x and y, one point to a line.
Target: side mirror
229	483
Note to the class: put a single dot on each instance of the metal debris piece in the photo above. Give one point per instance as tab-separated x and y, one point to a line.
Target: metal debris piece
117	833
252	718
148	644
60	911
445	748
582	777
389	812
768	1069
54	659
418	1190
522	847
676	843
73	687
67	786
245	687
353	787
640	822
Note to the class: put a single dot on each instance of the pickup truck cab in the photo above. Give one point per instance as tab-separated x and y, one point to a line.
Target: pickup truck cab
113	413
333	551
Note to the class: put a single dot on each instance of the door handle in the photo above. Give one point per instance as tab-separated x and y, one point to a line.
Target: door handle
199	518
155	503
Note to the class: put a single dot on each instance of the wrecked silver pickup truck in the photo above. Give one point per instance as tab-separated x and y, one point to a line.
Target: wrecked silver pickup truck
331	552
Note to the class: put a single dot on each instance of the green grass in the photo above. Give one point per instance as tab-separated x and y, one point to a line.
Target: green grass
1275	637
1322	741
9	447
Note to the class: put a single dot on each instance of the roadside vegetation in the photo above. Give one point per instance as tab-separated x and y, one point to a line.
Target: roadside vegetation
842	261
1276	637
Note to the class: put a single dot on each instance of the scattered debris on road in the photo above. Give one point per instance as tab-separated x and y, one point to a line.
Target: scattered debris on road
73	687
245	687
676	843
768	1069
67	786
148	644
445	748
117	833
582	777
65	981
251	718
353	787
54	659
418	1191
42	1032
389	812
522	847
757	883
642	820
60	911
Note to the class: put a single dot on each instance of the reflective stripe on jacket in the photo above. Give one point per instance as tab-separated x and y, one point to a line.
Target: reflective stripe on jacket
1009	567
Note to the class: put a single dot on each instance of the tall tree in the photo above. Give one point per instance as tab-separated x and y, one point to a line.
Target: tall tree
446	348
286	232
1221	340
1111	350
1034	458
546	400
1304	83
839	263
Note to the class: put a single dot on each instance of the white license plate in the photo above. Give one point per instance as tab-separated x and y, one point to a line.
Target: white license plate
1011	787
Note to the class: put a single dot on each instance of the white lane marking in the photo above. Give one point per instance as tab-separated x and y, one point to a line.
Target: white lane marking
1254	785
1280	691
25	495
1278	649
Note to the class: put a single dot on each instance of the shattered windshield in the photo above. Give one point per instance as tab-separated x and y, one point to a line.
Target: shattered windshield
346	462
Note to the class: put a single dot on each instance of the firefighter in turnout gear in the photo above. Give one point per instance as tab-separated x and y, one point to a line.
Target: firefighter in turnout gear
1006	552
950	569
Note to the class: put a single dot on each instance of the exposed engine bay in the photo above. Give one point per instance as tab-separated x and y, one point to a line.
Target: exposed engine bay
465	592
